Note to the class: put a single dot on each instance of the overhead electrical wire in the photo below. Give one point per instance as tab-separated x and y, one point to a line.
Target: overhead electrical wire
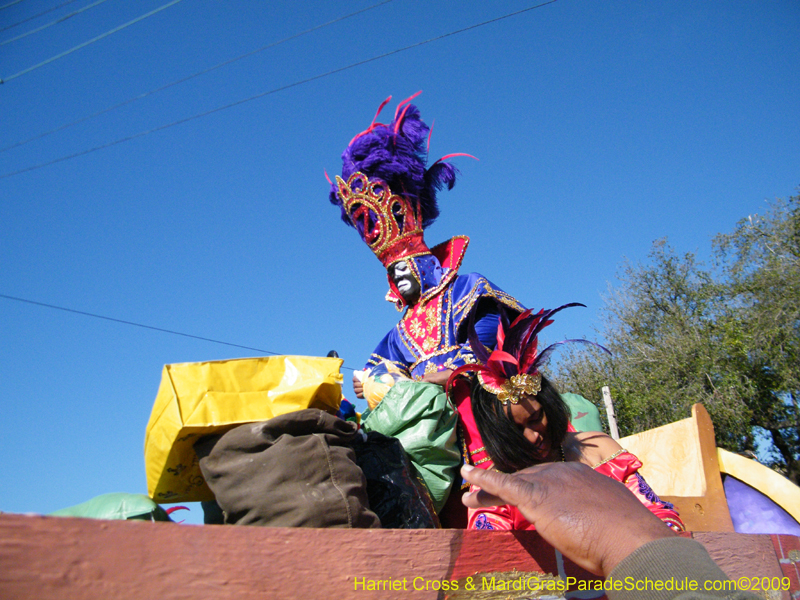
124	322
182	80
274	91
10	4
92	41
51	23
36	16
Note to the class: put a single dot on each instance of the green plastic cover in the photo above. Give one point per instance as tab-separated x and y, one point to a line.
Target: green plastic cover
424	420
585	416
116	505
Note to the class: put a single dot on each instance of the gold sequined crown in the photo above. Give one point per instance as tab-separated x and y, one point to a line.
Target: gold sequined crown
387	222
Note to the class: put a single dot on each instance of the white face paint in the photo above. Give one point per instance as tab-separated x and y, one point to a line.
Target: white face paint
402	277
405	281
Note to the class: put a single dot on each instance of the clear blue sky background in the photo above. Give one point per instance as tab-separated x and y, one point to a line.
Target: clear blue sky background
600	127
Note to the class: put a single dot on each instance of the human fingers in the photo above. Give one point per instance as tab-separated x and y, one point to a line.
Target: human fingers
495	488
594	534
478	498
358	387
439	377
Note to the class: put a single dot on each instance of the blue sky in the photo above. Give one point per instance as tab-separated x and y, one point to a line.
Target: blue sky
600	127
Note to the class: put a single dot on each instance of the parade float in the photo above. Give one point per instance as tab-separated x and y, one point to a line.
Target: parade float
57	557
745	515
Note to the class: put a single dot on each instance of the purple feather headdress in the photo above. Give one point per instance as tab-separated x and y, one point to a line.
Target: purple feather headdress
385	190
512	369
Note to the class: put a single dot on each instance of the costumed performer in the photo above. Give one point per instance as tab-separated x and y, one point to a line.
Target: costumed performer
522	420
388	194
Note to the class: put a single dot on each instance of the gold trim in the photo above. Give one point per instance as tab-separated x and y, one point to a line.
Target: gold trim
438	352
612	457
376	359
450	272
361	195
425	339
447	320
517	386
466	303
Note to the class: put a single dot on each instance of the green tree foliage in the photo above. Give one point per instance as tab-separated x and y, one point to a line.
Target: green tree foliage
729	337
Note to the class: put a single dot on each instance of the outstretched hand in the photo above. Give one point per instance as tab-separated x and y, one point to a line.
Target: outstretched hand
358	387
438	377
592	519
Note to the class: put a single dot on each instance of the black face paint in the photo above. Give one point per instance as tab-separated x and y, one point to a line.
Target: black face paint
404	280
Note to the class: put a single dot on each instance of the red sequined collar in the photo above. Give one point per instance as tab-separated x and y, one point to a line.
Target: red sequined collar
450	255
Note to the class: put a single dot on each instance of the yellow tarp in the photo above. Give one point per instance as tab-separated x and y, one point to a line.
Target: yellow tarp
196	399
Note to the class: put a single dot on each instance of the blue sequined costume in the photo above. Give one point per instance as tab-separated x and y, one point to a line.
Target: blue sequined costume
432	334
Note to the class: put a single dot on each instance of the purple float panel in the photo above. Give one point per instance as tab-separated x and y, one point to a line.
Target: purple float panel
753	512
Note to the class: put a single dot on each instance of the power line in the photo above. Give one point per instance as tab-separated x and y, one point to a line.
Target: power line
93	40
36	16
95	316
203	72
51	23
10	4
272	91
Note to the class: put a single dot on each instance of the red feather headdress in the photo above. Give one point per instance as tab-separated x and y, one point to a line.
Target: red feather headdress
511	370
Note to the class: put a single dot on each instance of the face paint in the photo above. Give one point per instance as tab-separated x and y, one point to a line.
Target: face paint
405	281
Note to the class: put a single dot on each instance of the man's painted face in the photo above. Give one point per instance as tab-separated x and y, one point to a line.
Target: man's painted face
405	281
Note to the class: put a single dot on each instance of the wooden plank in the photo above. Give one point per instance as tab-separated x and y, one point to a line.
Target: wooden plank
681	465
65	558
700	513
754	558
671	458
717	515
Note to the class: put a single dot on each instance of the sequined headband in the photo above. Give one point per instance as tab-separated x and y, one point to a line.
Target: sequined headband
515	388
512	370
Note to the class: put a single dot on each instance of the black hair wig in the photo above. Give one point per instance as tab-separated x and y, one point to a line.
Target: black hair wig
505	442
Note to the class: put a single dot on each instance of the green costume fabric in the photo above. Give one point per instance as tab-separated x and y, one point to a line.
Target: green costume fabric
424	420
117	505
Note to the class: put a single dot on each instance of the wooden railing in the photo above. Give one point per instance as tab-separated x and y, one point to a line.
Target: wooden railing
55	558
